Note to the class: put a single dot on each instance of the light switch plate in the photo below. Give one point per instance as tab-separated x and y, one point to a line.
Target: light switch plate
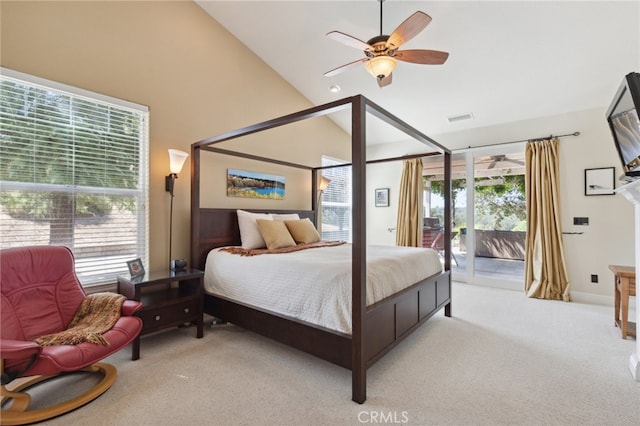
583	221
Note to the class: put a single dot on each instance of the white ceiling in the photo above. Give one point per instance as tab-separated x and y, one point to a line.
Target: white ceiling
509	60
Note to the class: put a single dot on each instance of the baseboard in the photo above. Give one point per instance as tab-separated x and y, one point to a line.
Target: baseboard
602	300
591	299
576	296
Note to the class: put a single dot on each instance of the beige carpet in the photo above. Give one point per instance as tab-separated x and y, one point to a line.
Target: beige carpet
502	359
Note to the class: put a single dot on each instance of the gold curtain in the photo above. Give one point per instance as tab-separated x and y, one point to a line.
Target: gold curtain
545	270
409	224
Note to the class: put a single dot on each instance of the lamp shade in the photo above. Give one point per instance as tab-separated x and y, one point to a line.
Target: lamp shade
176	160
324	182
381	66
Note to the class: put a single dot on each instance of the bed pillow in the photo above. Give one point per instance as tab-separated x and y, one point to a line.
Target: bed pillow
250	235
275	234
285	216
303	231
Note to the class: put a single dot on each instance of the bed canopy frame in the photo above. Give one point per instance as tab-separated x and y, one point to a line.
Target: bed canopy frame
375	329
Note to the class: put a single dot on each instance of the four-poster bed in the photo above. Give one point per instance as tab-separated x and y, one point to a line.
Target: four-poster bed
376	328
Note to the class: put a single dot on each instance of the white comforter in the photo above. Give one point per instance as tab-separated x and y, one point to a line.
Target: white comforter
314	285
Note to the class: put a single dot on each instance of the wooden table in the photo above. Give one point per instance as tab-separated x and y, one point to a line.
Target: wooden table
623	287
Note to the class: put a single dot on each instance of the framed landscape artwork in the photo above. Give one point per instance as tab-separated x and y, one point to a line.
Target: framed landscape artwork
246	184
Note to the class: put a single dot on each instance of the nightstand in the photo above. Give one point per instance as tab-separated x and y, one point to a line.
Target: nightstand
169	299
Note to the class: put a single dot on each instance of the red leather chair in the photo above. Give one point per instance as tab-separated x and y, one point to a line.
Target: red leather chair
40	295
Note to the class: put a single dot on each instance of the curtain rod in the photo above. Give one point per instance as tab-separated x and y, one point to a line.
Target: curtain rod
523	140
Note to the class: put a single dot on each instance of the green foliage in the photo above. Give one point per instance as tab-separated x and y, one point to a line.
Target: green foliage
43	206
26	205
521	226
500	206
48	138
437	187
510	183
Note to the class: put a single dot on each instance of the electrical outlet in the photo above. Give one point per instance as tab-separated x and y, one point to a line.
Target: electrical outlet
594	278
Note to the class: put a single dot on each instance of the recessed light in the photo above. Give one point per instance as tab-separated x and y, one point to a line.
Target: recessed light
334	89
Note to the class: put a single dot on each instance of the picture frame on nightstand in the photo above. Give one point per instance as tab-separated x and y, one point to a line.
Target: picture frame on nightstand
136	268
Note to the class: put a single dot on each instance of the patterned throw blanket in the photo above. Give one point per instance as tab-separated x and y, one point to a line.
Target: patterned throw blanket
254	252
96	315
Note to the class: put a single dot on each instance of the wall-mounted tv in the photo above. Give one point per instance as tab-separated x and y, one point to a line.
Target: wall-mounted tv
622	116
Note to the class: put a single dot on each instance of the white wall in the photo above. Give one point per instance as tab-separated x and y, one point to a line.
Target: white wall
381	219
609	238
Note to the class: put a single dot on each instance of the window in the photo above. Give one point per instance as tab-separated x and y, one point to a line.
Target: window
73	172
336	202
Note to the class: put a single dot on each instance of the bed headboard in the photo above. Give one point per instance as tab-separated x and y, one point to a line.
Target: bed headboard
219	227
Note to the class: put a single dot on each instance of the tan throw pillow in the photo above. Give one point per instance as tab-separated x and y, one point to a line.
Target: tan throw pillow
275	234
302	231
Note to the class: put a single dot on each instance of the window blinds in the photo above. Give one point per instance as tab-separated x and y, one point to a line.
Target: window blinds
73	172
336	202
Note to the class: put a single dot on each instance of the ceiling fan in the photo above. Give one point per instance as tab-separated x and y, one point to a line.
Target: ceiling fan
495	159
381	52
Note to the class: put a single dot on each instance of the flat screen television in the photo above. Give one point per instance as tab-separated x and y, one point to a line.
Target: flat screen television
622	116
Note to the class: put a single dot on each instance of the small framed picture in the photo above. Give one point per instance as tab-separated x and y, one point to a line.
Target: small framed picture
382	197
136	269
599	181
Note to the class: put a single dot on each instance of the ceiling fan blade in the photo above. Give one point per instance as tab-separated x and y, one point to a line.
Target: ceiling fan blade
344	67
419	56
385	81
348	40
408	29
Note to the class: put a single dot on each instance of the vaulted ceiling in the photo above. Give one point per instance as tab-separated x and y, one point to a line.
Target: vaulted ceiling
509	60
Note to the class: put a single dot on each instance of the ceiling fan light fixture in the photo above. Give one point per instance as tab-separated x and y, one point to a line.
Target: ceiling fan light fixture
381	66
381	52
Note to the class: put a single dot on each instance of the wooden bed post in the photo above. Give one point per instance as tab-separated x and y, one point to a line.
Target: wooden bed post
195	205
358	254
315	197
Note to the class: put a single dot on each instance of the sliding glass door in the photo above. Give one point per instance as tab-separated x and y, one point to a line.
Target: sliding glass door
489	217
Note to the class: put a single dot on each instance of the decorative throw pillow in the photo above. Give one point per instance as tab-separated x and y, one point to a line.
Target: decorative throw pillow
285	216
275	234
249	233
303	231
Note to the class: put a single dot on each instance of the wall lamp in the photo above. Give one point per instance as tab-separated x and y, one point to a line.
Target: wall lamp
322	185
324	182
176	161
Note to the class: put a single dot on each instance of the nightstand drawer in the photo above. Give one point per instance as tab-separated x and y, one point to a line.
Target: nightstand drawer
162	316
